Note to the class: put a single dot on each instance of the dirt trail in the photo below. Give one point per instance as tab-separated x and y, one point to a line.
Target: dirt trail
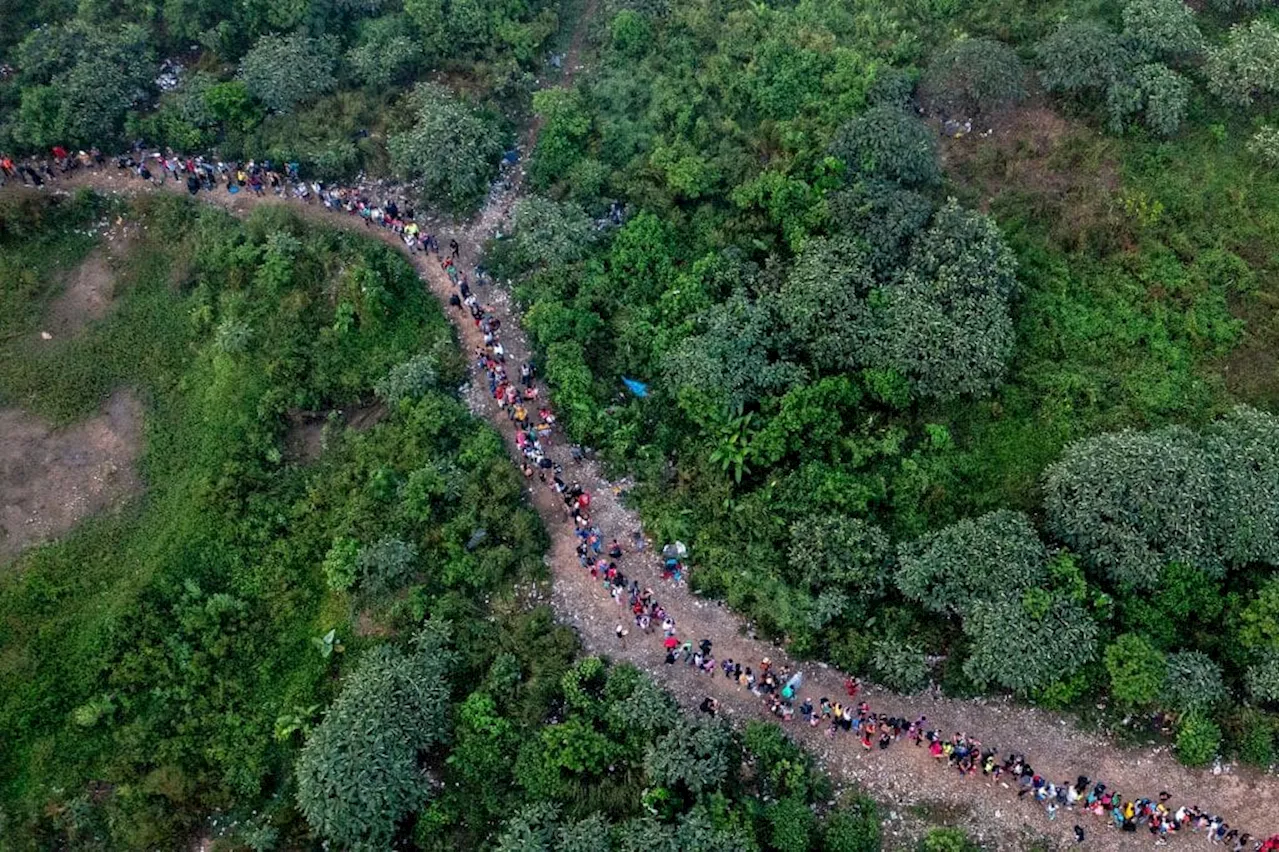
904	778
913	789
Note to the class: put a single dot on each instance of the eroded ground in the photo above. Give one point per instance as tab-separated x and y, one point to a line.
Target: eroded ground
52	478
86	296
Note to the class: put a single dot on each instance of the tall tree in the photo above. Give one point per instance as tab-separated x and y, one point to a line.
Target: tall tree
451	150
358	773
284	71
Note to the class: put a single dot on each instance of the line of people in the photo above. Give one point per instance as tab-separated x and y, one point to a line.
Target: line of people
519	397
778	687
199	174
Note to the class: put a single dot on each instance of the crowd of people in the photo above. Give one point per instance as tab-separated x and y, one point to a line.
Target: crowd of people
199	174
778	687
517	394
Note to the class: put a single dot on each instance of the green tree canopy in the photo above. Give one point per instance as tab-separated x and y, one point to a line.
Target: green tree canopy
1193	682
1137	670
852	827
1081	56
973	76
1261	680
1161	30
957	568
888	142
693	757
835	549
78	81
883	218
548	233
1165	94
1130	502
1245	67
823	303
732	359
386	52
284	71
358	772
945	323
996	574
451	150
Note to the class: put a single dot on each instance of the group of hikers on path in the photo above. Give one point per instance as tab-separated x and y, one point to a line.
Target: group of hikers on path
779	687
198	174
518	395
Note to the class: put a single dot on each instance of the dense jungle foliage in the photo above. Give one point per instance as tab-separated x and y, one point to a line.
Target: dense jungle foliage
958	309
326	84
268	651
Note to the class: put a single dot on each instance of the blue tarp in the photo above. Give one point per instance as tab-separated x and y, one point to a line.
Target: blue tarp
640	389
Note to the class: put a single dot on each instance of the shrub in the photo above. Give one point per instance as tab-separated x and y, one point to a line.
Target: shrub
899	665
974	76
532	829
1244	68
451	150
563	136
1057	635
1197	740
1193	682
340	564
832	549
1161	30
1265	145
1130	502
1256	628
791	824
947	840
993	571
1081	56
1253	735
1137	670
889	142
1238	7
284	71
962	566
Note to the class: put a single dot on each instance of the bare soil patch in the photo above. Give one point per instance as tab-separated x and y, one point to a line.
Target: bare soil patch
52	478
1058	171
85	297
304	441
1250	370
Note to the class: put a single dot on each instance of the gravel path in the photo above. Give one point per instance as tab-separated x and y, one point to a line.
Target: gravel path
913	790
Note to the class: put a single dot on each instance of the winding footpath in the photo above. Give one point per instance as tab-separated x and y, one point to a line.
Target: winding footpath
914	791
